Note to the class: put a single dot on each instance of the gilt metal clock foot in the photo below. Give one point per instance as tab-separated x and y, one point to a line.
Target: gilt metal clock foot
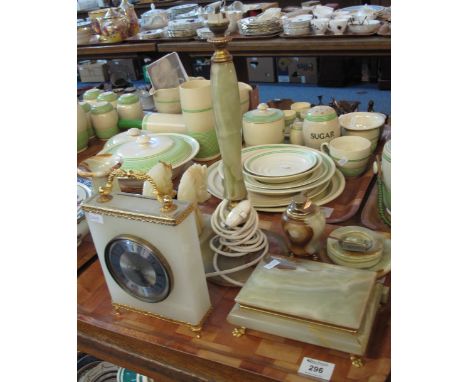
238	332
197	330
356	361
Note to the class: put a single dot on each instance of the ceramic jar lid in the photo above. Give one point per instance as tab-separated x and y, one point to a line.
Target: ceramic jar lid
85	106
145	146
128	99
101	108
321	113
263	114
107	96
91	94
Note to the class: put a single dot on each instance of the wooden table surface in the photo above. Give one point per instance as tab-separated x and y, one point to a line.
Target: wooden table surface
171	352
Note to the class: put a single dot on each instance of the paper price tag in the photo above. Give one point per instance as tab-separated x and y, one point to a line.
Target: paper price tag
327	211
272	264
343	161
315	368
95	218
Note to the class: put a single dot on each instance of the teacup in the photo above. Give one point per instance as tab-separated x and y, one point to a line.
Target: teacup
299	107
319	26
338	26
350	153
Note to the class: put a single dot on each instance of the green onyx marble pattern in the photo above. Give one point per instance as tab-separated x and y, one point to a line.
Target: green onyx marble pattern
228	124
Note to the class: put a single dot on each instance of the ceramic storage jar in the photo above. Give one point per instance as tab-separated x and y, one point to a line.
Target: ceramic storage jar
129	107
87	109
263	126
320	125
90	96
82	129
110	97
105	119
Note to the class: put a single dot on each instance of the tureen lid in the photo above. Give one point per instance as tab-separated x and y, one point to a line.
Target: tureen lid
121	138
91	94
321	113
128	99
145	146
85	106
263	114
101	107
107	96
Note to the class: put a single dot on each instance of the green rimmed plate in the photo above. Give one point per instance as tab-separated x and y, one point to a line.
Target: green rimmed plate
281	163
334	189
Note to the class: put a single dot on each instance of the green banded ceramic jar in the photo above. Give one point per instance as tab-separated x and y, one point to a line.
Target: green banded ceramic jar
129	107
82	129
320	125
105	119
110	97
90	96
263	126
87	109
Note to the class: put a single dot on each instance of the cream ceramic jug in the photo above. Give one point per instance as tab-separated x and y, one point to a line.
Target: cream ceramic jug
320	125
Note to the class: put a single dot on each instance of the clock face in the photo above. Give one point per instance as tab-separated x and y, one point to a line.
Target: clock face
139	268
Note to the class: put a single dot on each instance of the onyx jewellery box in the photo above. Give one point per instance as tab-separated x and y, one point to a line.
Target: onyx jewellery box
321	304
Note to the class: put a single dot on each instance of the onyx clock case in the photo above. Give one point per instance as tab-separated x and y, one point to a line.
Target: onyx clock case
150	257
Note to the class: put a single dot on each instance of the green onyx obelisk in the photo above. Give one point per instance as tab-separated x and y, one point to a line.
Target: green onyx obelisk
227	111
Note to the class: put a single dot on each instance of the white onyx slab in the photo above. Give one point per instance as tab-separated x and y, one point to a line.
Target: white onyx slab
313	291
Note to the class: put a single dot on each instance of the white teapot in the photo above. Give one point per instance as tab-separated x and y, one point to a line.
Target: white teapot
154	19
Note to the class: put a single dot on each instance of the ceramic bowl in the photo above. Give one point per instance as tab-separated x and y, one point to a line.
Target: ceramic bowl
351	154
148	149
367	27
364	124
321	11
167	100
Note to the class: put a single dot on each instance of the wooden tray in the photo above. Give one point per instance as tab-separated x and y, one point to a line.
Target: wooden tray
370	215
348	203
169	351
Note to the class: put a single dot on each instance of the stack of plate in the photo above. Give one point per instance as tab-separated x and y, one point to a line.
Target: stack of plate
181	11
376	258
183	28
251	26
274	174
297	26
